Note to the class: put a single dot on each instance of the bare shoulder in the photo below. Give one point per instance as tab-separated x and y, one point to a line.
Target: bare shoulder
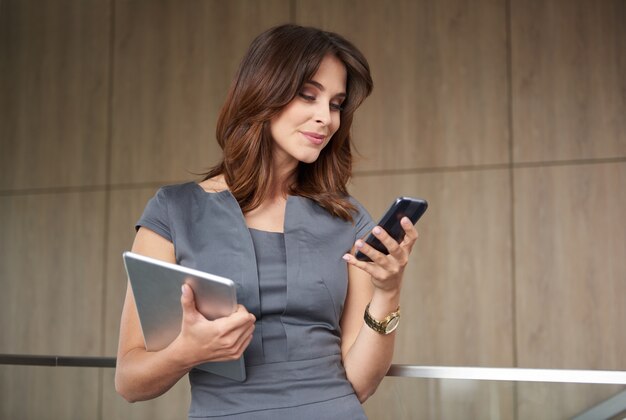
151	244
215	184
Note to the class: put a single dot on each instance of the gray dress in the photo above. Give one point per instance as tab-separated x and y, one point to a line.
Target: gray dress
295	284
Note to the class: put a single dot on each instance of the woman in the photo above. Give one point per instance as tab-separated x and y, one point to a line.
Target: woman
275	216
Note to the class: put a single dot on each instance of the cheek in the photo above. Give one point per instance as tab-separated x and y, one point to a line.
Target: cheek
336	122
274	128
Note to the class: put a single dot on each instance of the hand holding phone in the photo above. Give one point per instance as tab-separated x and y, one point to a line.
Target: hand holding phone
413	208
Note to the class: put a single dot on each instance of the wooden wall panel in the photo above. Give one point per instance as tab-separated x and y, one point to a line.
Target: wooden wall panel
37	392
125	208
174	404
54	84
51	267
569	79
174	62
570	270
51	270
439	69
440	99
457	296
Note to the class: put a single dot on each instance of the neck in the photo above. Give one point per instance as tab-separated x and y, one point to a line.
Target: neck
283	176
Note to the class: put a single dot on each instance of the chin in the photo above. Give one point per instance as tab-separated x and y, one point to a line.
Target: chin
309	159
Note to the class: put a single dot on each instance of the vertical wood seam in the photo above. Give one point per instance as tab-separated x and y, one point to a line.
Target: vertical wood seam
107	201
509	76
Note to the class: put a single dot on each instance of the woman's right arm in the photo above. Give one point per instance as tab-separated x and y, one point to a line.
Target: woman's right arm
142	375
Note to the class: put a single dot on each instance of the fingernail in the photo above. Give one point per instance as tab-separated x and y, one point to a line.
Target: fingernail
359	244
184	289
346	257
377	230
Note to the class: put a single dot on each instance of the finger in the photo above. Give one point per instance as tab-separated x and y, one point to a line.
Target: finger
237	351
243	311
362	247
246	336
374	255
244	330
372	269
237	320
238	336
244	314
188	302
390	243
410	238
399	251
410	233
237	341
244	344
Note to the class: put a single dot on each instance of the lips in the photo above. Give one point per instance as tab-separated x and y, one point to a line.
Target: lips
313	137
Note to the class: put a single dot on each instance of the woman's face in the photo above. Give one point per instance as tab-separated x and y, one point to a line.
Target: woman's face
304	127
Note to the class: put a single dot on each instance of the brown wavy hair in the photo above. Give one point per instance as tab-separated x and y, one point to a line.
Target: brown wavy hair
271	74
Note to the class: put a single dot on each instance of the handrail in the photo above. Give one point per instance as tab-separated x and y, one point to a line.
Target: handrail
43	360
410	371
511	374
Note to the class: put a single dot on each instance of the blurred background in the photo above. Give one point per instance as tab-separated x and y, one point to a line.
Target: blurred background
508	116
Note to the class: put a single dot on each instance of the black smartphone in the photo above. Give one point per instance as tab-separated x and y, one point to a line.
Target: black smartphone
413	208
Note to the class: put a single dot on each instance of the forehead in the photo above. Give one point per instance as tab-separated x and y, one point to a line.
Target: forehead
332	75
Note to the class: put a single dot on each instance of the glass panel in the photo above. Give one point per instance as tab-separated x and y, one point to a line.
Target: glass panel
416	398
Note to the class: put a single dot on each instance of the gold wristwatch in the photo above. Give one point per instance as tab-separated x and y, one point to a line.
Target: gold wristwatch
387	325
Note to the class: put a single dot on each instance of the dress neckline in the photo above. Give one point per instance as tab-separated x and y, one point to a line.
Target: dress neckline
210	192
269	232
226	194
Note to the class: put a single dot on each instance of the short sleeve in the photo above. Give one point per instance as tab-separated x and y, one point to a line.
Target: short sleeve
363	222
155	215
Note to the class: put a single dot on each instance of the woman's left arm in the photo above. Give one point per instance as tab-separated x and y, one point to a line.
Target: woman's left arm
366	353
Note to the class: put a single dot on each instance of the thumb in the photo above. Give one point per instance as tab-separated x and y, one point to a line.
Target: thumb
187	301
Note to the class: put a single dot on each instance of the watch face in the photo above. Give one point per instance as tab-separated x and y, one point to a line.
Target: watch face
392	325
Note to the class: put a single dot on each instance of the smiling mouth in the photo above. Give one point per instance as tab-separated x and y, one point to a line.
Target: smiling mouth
314	138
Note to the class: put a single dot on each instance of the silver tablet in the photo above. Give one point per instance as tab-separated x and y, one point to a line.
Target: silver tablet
157	286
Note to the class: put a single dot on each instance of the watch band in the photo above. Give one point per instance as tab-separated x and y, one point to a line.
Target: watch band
384	327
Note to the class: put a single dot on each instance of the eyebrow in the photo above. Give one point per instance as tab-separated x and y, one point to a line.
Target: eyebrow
322	88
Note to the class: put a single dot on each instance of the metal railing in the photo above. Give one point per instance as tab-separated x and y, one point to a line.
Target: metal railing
42	360
606	409
511	374
410	371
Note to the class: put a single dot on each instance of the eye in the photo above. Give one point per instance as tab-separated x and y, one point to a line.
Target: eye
306	97
336	107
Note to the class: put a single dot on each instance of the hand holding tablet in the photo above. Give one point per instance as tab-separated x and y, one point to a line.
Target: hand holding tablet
156	286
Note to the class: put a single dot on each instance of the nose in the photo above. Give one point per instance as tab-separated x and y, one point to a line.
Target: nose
322	113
